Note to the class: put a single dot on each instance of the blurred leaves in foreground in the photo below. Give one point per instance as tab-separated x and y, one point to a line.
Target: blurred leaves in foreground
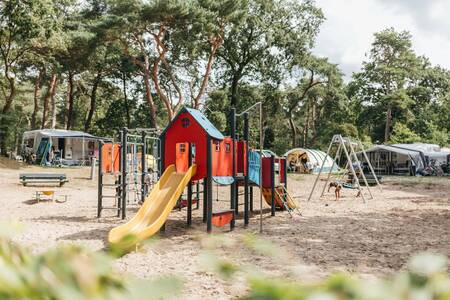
70	272
425	277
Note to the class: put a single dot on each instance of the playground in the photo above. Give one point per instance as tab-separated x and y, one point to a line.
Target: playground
375	238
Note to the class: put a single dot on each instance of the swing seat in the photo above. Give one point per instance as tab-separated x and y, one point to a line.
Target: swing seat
222	218
349	186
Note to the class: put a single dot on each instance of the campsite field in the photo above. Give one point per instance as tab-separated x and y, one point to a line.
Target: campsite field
373	238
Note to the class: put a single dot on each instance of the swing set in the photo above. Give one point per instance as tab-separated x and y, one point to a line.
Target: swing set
352	176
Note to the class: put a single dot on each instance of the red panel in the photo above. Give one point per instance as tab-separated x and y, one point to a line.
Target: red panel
222	157
182	157
267	182
222	218
193	134
241	157
282	164
110	158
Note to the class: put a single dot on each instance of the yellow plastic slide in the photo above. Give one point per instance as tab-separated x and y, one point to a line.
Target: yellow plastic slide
279	192
156	208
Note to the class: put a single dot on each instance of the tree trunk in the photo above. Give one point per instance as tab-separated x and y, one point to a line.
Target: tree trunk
306	129
125	98
148	94
37	90
93	97
6	109
293	131
48	95
234	88
161	94
69	102
387	129
52	97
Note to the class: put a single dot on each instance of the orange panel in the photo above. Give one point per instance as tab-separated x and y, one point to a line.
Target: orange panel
110	158
182	157
222	157
223	218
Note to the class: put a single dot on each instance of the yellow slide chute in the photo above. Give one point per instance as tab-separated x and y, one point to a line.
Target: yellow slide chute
156	209
282	198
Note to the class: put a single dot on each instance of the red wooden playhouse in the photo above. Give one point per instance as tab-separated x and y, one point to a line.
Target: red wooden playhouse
191	138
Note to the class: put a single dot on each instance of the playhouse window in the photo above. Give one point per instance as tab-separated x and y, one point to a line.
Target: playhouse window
227	147
185	122
182	148
217	146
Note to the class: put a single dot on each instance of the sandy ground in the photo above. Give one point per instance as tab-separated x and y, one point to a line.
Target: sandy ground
373	238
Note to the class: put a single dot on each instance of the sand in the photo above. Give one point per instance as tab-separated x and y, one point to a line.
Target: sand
372	239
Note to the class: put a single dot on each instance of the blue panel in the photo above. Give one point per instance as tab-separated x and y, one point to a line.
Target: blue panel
205	123
254	166
223	180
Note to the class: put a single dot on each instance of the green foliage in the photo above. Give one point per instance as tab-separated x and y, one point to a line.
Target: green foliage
397	86
71	272
426	277
135	63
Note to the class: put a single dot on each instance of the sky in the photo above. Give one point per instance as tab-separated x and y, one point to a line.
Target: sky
347	33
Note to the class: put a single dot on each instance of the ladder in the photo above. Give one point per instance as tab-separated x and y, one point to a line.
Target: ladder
285	197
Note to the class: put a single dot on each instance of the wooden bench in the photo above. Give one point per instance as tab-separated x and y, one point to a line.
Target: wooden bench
43	178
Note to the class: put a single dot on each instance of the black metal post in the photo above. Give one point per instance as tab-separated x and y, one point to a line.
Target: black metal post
209	186
205	197
233	199
251	198
197	191
119	179
100	180
143	166
246	202
124	171
272	184
161	150
285	173
189	191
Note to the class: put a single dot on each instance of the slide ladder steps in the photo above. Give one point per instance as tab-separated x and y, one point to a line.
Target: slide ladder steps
285	197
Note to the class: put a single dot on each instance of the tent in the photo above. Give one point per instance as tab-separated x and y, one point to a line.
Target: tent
71	147
410	159
303	160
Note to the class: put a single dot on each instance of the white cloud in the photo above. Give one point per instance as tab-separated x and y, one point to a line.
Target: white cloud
347	34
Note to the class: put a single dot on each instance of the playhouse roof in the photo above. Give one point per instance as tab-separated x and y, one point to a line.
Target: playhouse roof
201	119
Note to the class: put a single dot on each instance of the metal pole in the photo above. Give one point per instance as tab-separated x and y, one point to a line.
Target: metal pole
320	171
251	198
124	171
360	168
100	180
338	153
370	165
260	171
246	202
197	188
143	166
205	197
119	179
209	186
233	204
351	166
189	190
272	185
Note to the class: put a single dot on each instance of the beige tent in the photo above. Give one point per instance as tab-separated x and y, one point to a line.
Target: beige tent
301	160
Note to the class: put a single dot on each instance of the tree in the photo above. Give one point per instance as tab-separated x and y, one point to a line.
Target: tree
304	99
391	69
26	28
269	35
